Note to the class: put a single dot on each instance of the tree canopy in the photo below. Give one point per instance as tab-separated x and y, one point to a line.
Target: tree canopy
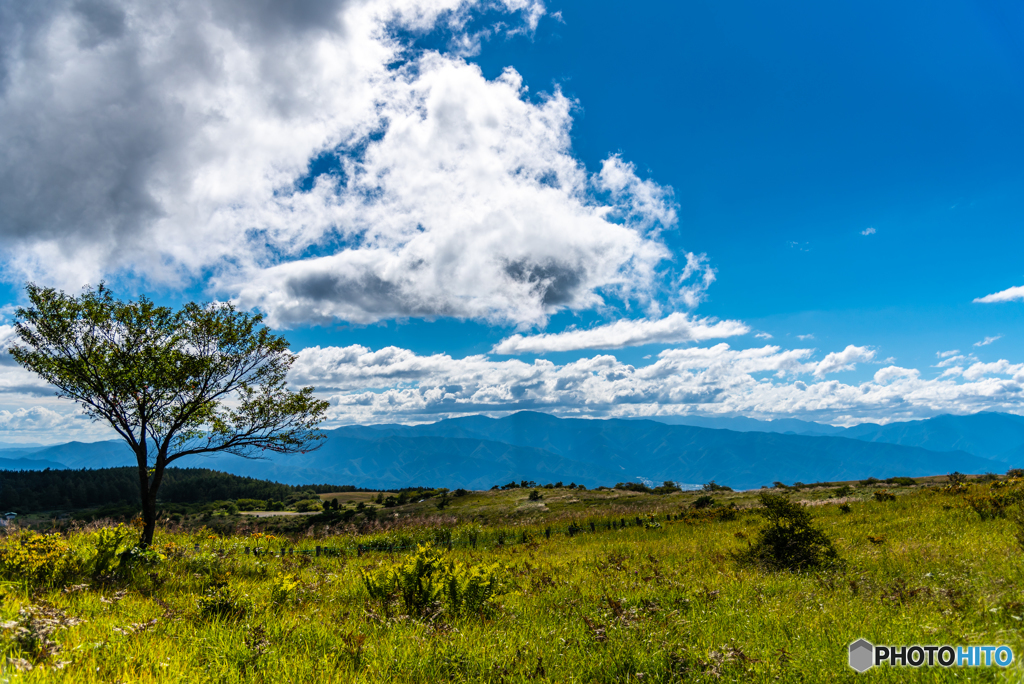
202	379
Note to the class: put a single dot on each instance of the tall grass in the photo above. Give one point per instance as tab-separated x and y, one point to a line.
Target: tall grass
642	603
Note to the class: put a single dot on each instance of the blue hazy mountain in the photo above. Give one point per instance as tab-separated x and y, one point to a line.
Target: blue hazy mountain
74	455
21	446
477	452
29	464
653	450
997	436
741	424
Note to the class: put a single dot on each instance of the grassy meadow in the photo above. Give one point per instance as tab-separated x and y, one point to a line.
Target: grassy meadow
506	588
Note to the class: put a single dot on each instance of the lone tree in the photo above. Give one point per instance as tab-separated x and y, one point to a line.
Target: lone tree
199	380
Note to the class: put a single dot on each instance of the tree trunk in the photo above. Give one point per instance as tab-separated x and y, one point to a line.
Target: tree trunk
149	518
149	488
148	512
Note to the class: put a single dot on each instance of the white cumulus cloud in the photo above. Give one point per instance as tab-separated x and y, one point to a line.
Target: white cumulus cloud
173	143
843	361
392	384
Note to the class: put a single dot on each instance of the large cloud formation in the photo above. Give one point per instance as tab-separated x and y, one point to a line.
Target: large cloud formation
304	158
368	386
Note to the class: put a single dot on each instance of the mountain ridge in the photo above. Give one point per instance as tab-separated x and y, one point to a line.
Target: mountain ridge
476	452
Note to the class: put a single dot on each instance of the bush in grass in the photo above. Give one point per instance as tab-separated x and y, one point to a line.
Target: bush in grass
715	487
901	481
1018	521
283	589
38	559
703	501
845	490
633	487
251	504
956	478
221	601
111	543
309	505
536	496
429	582
885	496
997	501
789	541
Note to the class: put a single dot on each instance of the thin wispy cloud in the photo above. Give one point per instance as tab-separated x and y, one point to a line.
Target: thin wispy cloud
988	340
675	328
809	336
1008	295
868	231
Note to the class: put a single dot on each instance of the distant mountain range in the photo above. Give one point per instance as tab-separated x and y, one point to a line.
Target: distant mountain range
477	452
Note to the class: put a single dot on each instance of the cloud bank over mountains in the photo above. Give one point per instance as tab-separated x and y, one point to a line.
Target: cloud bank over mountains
392	384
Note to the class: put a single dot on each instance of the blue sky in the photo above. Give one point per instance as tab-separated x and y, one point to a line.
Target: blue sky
401	185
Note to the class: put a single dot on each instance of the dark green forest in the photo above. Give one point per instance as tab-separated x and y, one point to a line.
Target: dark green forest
27	491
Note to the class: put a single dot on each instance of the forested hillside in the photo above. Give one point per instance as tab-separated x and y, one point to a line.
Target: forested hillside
46	490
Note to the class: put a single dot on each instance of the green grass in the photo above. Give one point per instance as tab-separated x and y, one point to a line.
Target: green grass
629	605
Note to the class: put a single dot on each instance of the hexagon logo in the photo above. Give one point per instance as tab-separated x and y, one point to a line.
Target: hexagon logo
862	654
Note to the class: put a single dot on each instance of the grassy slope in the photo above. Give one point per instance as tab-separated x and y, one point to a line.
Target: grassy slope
681	609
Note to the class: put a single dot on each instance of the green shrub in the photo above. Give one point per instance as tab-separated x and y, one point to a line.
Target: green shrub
38	559
885	496
428	582
633	487
1018	521
997	501
251	504
901	481
111	543
789	541
956	478
845	490
715	487
536	496
703	501
309	505
221	601
283	589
